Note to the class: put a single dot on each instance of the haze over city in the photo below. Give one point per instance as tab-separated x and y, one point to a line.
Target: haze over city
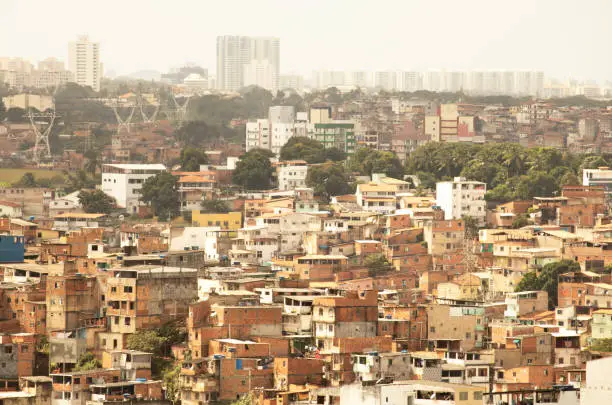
561	38
339	202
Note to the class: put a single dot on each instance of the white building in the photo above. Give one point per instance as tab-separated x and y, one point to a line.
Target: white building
379	198
598	387
199	238
291	81
461	197
259	73
272	133
84	62
258	134
281	114
598	177
124	181
291	174
236	52
26	101
10	209
195	83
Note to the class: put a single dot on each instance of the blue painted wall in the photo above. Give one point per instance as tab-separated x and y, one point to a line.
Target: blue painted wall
12	249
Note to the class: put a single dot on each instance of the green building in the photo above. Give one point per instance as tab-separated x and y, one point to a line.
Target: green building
339	134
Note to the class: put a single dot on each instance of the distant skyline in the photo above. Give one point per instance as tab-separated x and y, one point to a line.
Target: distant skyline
562	38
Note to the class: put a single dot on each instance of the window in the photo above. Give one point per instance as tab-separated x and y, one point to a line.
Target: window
477	396
24	349
432	329
463	396
127	289
127	321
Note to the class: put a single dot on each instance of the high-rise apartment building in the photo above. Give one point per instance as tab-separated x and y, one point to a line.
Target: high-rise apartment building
259	57
84	62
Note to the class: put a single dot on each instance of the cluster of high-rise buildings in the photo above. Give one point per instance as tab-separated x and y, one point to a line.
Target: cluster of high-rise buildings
84	68
243	61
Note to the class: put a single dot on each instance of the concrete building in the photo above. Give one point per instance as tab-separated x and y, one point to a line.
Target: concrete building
124	181
143	297
295	82
259	73
461	197
601	326
375	197
335	133
291	174
84	62
410	392
598	387
354	315
26	101
236	52
598	177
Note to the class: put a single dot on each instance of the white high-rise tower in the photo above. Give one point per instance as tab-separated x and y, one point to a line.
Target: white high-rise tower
84	62
257	58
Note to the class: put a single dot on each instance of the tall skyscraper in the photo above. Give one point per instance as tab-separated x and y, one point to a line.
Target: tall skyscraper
236	52
84	62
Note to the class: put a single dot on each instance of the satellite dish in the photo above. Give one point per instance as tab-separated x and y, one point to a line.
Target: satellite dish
121	217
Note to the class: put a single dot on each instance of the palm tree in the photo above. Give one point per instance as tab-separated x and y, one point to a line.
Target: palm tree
92	163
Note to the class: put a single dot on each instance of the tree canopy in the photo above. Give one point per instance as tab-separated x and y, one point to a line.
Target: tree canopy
215	206
161	193
192	158
254	170
303	148
87	361
328	179
97	201
511	171
548	279
367	161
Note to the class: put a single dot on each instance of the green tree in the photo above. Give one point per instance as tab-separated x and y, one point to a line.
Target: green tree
215	206
2	110
148	341
192	158
377	263
197	133
16	114
548	279
470	224
170	376
254	170
27	180
92	162
569	179
427	180
247	399
367	161
97	201
78	180
601	345
529	282
87	361
335	155
520	221
161	193
303	148
328	179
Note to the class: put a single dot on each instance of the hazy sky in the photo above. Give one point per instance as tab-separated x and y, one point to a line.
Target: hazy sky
561	37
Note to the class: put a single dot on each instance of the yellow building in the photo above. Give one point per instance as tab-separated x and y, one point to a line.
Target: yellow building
230	221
